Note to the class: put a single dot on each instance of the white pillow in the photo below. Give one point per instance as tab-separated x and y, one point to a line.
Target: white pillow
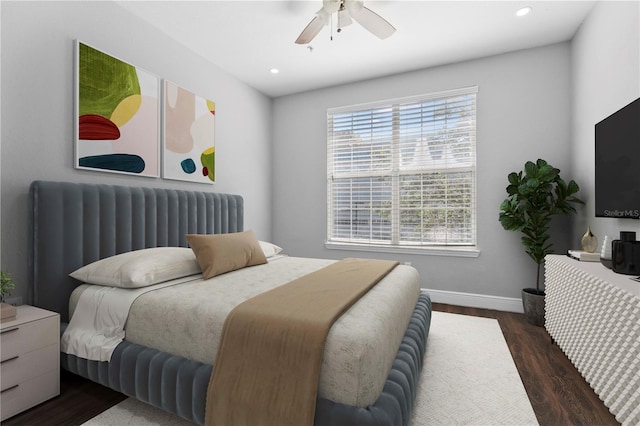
140	268
269	249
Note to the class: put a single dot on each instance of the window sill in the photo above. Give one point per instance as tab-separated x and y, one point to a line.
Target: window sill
427	251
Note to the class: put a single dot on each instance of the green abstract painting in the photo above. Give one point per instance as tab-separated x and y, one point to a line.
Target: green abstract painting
117	118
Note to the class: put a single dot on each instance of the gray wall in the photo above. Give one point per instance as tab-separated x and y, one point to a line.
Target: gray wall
606	70
37	111
523	113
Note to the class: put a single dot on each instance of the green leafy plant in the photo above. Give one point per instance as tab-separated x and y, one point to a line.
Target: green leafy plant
6	284
536	194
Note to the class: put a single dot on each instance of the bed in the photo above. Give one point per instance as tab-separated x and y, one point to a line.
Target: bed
76	224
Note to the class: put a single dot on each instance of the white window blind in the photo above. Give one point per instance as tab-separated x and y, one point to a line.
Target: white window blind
402	172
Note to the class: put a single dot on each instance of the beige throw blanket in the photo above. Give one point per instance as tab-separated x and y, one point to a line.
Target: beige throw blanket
268	363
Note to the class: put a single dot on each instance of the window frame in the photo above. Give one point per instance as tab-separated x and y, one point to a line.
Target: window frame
461	250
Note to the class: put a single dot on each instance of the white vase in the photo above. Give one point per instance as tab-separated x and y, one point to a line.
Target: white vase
605	252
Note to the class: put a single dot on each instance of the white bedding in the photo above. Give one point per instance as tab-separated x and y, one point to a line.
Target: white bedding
99	316
187	320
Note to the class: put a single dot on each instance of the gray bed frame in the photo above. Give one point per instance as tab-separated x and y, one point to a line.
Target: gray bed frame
73	224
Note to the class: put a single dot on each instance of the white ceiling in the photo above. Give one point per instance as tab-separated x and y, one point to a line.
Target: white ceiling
248	38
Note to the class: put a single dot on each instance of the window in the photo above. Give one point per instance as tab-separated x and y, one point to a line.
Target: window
401	173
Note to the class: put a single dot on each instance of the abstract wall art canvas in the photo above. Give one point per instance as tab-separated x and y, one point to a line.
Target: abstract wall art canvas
189	124
117	115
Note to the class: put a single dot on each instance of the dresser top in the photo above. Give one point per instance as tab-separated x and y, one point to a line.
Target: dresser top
597	269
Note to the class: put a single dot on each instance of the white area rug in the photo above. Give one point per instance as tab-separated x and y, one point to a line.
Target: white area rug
468	378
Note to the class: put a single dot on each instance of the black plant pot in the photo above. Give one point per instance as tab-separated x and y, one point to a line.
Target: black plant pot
533	304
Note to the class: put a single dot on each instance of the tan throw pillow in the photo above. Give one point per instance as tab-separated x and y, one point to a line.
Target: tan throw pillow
220	253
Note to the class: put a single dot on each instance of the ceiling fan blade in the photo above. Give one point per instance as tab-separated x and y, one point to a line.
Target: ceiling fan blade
310	31
373	22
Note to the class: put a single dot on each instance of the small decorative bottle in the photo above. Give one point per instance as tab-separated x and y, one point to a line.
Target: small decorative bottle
605	253
589	241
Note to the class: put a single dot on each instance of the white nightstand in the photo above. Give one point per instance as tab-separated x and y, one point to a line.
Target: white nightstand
30	355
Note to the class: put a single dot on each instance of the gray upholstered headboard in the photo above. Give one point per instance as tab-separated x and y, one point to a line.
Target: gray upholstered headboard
73	224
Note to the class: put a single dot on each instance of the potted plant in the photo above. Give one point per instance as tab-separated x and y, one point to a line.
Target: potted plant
7	312
536	194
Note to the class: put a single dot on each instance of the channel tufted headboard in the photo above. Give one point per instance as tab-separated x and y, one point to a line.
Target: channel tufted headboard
73	224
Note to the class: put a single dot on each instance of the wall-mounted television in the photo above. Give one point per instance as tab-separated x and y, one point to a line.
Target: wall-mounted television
617	180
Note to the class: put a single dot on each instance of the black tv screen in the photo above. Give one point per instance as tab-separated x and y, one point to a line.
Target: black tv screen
617	180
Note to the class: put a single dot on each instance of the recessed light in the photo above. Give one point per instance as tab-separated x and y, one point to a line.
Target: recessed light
524	11
274	70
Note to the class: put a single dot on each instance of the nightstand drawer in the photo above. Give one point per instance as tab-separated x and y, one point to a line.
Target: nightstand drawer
22	368
30	355
29	393
29	336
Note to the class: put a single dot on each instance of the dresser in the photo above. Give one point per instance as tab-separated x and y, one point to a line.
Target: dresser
593	314
30	360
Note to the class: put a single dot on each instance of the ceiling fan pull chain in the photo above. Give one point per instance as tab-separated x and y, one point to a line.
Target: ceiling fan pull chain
331	27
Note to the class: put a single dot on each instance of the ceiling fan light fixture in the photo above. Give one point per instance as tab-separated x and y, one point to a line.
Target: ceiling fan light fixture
344	19
354	6
347	11
324	16
331	6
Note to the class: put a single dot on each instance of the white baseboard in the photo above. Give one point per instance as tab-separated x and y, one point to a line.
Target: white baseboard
507	304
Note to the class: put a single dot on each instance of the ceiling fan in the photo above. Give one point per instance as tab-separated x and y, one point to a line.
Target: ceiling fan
346	9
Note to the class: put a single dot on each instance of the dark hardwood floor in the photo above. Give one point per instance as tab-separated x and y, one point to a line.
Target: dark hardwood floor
558	394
